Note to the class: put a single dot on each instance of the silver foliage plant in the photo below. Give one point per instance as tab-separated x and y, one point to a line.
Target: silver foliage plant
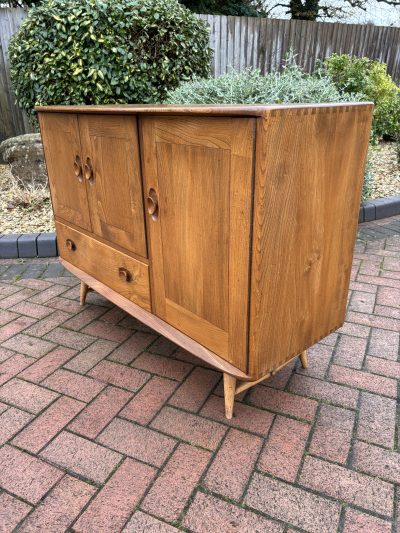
291	85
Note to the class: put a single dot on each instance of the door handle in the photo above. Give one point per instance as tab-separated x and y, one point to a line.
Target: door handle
89	172
152	204
124	274
78	168
70	245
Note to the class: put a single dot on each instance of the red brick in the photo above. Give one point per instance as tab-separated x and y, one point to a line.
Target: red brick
81	456
388	296
6	316
15	298
38	284
384	367
384	344
137	442
47	294
114	315
364	287
363	302
210	515
164	366
47	324
294	505
163	346
90	356
346	485
83	318
364	380
282	402
230	470
25	395
350	351
191	428
110	332
6	288
376	461
26	476
172	489
119	375
14	365
80	387
5	354
149	400
14	327
47	364
94	418
48	424
244	416
113	505
71	339
143	522
355	330
29	345
319	357
31	309
131	348
377	420
12	511
284	449
374	320
64	304
380	281
333	433
193	392
390	312
12	421
60	507
357	522
280	380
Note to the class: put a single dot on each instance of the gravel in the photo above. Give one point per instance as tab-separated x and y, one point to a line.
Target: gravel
385	170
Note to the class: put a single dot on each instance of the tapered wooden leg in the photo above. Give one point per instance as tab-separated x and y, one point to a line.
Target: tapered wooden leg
229	394
83	292
304	359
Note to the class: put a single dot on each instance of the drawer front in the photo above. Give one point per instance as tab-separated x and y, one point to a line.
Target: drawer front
123	274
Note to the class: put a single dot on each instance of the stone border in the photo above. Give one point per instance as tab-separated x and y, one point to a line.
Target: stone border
28	245
379	208
45	244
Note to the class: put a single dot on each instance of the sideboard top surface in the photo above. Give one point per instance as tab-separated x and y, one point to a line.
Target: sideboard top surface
218	109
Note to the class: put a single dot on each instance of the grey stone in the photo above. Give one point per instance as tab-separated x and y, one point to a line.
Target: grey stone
8	246
27	245
47	245
361	214
387	207
25	156
369	212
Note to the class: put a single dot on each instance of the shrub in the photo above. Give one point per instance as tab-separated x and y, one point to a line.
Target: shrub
291	85
371	81
98	52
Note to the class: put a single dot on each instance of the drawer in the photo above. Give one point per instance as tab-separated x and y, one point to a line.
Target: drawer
123	274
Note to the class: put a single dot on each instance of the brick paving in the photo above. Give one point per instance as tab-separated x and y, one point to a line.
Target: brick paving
107	427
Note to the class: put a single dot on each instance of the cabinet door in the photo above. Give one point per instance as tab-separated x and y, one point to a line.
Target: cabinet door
60	134
112	171
198	176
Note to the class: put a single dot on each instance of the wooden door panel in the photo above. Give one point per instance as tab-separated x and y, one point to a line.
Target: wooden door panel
114	188
61	142
201	170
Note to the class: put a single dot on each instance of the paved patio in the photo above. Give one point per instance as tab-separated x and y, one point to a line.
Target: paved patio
106	427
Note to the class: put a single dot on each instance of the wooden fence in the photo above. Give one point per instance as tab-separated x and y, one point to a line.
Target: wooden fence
13	121
238	42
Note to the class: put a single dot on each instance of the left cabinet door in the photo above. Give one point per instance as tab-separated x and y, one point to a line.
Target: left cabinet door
62	148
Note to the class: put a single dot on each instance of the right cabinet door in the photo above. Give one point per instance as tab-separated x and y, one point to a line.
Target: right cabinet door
198	174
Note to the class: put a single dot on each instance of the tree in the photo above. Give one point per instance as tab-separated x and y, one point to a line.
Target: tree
241	8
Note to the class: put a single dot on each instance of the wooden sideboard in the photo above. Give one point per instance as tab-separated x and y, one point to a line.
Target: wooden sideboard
227	229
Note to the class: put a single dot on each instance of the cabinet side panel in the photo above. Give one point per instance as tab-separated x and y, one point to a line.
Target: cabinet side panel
309	173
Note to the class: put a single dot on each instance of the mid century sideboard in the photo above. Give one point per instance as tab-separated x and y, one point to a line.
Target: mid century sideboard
227	229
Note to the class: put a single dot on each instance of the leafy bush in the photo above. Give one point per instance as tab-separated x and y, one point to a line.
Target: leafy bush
98	52
371	81
291	85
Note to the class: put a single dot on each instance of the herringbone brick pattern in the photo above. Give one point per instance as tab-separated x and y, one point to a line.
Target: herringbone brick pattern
107	427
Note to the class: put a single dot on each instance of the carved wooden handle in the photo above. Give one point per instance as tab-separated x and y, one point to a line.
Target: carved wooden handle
70	245
78	168
152	204
124	274
89	173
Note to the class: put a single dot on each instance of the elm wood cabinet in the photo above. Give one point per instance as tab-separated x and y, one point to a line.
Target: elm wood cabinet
227	229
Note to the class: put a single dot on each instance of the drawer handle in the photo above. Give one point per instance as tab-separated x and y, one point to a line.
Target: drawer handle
152	204
70	245
89	172
78	168
124	274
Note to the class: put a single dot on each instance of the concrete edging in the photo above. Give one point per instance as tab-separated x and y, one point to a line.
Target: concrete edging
45	244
